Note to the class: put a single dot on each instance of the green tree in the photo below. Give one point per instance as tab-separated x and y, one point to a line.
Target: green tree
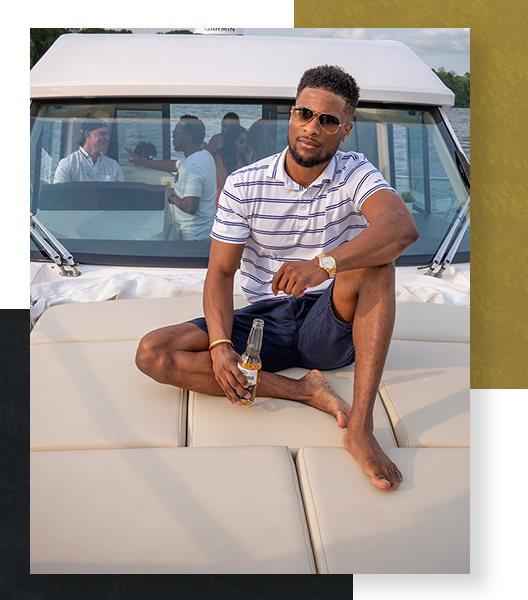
42	39
178	31
458	84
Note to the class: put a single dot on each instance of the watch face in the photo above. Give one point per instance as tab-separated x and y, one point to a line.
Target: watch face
327	262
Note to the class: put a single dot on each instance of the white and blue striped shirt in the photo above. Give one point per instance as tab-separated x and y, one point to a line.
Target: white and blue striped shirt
278	220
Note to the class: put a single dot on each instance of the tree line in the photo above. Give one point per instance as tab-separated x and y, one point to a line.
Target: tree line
458	84
42	39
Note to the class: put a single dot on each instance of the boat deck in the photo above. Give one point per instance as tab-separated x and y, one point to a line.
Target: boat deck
132	476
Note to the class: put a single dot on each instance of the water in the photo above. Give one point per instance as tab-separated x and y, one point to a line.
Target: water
459	119
146	126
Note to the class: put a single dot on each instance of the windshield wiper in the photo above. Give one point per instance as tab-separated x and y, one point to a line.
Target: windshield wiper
441	252
53	248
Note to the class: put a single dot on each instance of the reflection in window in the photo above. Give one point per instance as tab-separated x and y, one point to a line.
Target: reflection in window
408	147
132	222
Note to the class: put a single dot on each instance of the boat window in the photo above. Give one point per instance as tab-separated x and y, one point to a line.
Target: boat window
115	212
416	155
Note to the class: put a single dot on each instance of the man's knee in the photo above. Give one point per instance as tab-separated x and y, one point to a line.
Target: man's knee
151	354
159	351
382	277
354	278
383	271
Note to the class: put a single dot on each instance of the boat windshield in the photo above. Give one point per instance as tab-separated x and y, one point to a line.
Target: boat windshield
116	212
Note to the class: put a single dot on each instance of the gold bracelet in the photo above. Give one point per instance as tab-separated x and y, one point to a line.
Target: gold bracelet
220	342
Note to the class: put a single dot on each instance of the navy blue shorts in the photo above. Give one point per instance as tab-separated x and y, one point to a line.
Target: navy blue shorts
298	332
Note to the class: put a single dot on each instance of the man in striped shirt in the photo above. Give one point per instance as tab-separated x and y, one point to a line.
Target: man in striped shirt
316	232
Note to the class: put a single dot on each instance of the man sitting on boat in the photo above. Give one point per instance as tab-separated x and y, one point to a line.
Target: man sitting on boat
89	162
316	232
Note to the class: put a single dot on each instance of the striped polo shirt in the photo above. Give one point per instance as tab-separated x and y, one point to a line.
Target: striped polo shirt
278	220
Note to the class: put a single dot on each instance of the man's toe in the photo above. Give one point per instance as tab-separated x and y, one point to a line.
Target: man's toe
380	482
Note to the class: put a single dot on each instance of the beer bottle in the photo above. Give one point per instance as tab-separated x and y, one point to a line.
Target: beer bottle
249	362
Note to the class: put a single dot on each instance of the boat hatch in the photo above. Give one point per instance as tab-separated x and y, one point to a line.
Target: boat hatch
129	223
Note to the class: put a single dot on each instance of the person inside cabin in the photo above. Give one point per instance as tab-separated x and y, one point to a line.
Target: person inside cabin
192	197
261	137
146	150
216	142
234	154
315	232
89	162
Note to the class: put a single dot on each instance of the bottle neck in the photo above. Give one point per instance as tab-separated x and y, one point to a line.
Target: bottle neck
254	343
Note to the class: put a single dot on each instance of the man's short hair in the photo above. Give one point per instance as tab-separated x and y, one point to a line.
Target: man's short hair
193	127
90	125
332	79
231	116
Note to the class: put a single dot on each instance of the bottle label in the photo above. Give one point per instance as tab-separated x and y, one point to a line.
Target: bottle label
250	374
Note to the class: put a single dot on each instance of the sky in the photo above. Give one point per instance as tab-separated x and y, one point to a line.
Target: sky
447	48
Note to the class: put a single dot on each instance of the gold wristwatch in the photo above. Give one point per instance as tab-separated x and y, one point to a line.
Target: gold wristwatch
327	263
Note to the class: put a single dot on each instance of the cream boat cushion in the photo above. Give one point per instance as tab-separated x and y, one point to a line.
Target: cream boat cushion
425	389
93	396
426	321
214	421
116	319
168	510
132	319
422	527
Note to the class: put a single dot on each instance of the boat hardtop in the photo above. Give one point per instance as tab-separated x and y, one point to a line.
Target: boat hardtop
80	65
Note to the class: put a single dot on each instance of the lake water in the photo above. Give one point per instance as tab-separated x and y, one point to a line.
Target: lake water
459	119
150	129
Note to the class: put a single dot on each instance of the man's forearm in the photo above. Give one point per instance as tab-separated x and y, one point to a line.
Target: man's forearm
160	165
386	238
380	243
218	306
218	309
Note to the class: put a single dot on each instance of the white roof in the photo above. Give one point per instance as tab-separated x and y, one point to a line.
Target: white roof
127	65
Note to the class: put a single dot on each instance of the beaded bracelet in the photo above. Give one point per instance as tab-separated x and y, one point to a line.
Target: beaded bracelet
220	342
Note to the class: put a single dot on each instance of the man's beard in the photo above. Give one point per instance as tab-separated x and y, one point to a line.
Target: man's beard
308	163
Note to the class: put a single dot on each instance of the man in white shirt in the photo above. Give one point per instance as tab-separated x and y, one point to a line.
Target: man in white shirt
89	162
193	199
316	232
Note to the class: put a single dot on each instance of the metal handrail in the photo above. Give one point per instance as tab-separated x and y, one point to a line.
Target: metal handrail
453	250
444	246
53	248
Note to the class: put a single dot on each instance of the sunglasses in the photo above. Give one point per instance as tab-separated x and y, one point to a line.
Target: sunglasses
330	124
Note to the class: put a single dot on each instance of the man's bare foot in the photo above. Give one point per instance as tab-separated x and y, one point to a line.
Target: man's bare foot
324	398
364	447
